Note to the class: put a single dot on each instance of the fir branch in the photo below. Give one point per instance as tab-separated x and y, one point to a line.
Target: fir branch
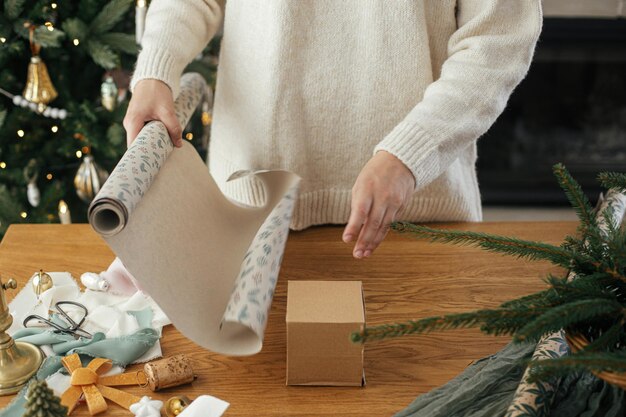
614	180
48	39
102	54
577	198
539	299
597	285
122	42
542	370
75	28
566	315
501	321
110	15
499	244
13	8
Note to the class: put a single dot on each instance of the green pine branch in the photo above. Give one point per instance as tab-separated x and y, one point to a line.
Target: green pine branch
577	198
102	54
499	244
111	14
122	42
614	180
542	370
491	321
563	316
13	8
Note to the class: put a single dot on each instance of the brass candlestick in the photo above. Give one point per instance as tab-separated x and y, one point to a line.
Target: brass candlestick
19	361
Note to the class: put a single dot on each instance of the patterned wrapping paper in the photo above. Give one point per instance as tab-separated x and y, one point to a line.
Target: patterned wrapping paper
134	174
535	398
210	264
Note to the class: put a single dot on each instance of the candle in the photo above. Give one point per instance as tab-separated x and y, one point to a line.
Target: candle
140	19
64	213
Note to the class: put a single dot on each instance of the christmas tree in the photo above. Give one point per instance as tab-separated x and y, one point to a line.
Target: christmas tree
41	402
64	74
592	305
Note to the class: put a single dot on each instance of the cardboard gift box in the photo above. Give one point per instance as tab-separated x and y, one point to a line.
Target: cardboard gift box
321	315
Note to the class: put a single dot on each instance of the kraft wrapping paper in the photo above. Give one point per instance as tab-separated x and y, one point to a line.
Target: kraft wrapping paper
209	263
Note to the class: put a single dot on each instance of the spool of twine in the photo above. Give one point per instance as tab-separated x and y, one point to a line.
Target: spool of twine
169	372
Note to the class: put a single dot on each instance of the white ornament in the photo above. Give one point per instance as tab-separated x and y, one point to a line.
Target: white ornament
17	100
46	112
32	106
54	113
24	102
147	407
94	281
33	194
62	114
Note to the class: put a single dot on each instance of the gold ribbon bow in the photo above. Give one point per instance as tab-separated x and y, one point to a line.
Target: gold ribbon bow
87	381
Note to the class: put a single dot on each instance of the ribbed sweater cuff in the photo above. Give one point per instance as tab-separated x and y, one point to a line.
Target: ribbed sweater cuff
413	146
158	64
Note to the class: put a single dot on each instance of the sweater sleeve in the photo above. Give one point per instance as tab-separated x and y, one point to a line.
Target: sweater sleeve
488	55
176	31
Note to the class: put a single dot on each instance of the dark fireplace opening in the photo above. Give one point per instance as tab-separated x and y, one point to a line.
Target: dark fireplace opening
571	108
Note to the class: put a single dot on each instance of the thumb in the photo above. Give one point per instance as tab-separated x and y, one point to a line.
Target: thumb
133	126
173	127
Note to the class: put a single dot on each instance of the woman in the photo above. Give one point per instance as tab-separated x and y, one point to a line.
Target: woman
376	104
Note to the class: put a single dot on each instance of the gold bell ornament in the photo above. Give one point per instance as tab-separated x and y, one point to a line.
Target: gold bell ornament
41	282
39	88
89	179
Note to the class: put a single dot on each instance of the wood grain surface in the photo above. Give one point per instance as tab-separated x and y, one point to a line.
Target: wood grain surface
404	279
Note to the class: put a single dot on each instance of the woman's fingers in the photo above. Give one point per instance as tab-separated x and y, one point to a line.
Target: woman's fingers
360	208
390	217
133	125
365	245
152	100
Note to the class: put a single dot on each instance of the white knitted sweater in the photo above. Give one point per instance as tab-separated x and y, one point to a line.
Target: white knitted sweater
316	86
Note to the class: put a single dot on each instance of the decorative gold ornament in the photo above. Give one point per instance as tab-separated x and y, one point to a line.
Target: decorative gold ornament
89	178
41	282
175	405
39	88
108	93
20	360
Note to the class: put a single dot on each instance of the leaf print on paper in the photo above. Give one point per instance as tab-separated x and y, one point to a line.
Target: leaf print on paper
243	314
252	296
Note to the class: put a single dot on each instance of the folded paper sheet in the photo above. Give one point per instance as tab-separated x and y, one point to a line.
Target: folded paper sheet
209	263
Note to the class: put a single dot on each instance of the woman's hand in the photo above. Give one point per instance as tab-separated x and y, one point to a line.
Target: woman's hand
381	190
152	100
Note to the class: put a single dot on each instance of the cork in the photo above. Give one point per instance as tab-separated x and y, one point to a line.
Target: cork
169	372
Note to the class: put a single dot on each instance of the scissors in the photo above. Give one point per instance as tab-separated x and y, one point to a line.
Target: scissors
71	327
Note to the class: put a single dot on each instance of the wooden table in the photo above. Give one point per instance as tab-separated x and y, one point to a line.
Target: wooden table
404	279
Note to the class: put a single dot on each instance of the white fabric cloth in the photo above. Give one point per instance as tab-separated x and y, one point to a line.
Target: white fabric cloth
315	87
107	313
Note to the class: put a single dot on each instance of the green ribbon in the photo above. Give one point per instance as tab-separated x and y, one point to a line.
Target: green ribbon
121	350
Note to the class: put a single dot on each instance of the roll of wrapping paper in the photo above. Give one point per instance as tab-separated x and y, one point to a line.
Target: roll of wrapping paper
111	208
210	263
169	372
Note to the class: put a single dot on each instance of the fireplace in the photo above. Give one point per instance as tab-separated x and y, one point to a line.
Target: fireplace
571	108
